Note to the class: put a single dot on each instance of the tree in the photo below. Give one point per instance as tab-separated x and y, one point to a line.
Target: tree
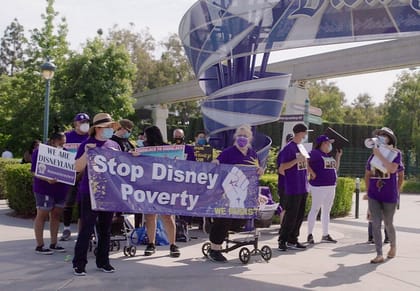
364	111
329	98
402	110
12	49
97	80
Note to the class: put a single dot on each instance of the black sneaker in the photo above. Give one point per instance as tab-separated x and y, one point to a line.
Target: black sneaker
310	239
79	271
43	251
282	246
150	250
66	235
57	248
216	256
174	251
296	246
107	268
386	240
328	238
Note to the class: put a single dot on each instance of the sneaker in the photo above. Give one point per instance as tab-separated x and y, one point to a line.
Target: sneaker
57	248
328	238
43	251
150	250
296	246
174	251
216	256
377	260
310	239
66	235
79	271
282	246
107	268
386	240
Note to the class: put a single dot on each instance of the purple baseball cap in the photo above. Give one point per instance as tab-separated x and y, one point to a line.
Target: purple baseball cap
320	139
81	117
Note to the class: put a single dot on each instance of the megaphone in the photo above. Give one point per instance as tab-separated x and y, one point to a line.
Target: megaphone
371	142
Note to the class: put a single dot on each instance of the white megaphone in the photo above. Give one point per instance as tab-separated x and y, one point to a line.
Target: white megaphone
371	142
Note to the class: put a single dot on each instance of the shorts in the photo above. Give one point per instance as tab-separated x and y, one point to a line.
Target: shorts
48	202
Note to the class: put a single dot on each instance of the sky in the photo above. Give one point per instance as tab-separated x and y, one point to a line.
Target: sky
162	18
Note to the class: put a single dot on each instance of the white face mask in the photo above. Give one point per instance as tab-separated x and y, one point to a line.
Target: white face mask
330	147
84	127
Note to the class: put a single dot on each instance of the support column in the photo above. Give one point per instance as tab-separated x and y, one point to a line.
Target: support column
159	115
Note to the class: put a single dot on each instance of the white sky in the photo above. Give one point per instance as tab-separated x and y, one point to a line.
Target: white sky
162	17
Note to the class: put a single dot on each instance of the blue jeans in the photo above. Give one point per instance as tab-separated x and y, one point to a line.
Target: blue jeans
88	219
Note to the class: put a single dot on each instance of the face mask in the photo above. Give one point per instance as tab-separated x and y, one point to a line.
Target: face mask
84	127
139	143
107	133
242	141
201	141
179	140
329	147
126	135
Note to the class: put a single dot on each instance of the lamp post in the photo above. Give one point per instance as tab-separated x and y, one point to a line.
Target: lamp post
47	70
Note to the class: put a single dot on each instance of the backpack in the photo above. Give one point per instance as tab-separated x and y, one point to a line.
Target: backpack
181	234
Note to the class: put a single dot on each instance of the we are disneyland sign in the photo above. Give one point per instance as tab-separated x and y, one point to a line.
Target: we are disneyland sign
122	182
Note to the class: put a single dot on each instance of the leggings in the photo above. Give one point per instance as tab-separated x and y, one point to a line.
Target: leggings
322	198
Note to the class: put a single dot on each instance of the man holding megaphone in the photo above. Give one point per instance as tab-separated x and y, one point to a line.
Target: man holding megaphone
382	187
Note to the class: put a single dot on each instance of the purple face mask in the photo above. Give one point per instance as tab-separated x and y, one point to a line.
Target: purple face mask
242	141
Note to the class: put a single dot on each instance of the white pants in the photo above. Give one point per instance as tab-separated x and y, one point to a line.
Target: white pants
322	198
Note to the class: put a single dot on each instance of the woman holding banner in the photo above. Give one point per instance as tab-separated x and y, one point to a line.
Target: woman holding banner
50	196
153	137
100	134
240	153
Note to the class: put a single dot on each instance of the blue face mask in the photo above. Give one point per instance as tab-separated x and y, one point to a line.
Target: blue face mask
107	133
201	141
126	135
140	143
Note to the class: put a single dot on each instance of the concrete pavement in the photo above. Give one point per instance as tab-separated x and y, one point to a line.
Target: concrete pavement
323	266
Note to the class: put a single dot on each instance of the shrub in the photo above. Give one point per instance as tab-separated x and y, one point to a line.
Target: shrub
343	196
411	186
18	185
3	164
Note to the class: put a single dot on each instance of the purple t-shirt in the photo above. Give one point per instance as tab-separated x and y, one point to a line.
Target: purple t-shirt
73	140
383	187
280	180
296	177
324	167
189	150
109	144
232	155
58	190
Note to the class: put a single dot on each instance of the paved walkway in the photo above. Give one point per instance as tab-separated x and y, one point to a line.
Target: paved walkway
324	266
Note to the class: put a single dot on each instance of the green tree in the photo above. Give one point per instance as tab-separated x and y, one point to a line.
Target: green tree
329	98
12	49
97	80
402	110
363	111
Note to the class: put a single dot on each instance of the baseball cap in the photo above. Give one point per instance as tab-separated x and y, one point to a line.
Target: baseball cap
322	138
81	117
300	127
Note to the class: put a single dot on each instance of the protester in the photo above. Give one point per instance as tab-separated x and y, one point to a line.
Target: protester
140	140
322	185
27	155
99	136
179	139
280	180
153	137
200	138
74	138
240	153
382	189
293	164
123	133
49	197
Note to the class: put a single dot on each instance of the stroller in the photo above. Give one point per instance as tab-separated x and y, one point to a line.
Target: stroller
264	214
121	230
